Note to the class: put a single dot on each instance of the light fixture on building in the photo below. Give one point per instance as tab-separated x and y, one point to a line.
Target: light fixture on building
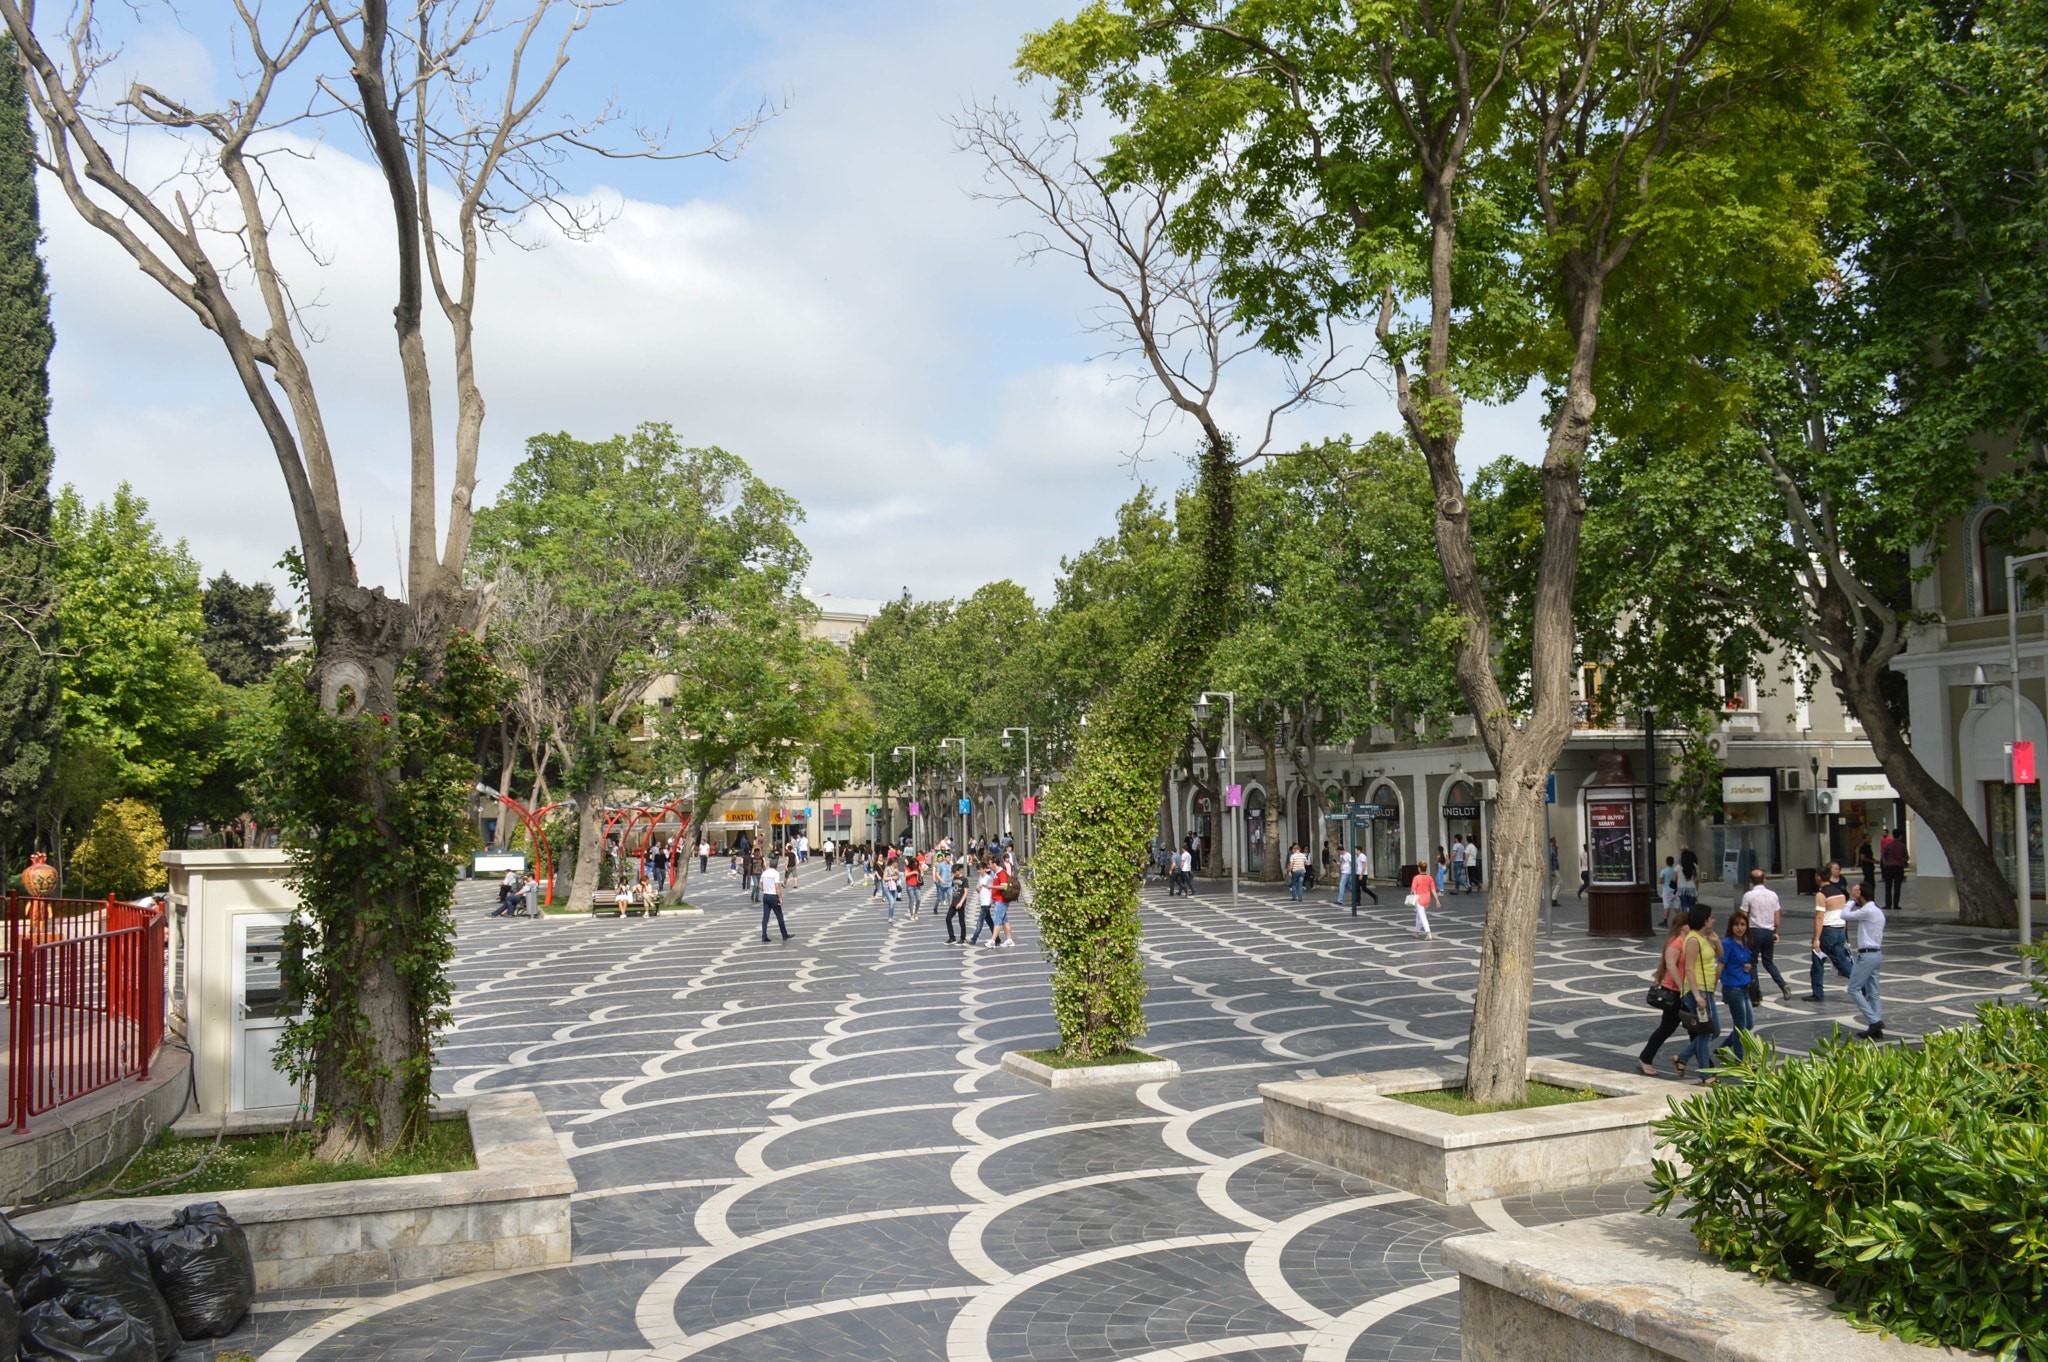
1980	690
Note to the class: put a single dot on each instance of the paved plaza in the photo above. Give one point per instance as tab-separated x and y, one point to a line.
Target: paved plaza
805	1150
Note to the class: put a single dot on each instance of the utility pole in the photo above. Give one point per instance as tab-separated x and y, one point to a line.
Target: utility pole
912	750
2022	852
1030	791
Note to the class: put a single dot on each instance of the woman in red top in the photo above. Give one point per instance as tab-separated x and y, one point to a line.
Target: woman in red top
1422	893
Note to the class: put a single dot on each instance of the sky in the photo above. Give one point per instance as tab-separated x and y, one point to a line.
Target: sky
835	306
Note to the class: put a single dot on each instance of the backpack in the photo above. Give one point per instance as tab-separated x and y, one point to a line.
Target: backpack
1007	888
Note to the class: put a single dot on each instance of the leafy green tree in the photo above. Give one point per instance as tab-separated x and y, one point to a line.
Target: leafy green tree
1511	194
245	631
30	675
122	854
135	683
609	552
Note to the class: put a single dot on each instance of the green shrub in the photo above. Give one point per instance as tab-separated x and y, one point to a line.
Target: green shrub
1908	1181
122	852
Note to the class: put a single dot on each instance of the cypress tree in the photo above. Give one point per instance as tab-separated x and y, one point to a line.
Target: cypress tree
30	675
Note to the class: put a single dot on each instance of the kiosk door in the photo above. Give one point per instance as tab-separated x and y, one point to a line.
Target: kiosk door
259	1016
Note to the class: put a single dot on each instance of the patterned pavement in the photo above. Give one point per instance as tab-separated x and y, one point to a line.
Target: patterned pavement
805	1150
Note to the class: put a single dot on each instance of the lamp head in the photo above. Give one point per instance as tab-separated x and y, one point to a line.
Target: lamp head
1202	710
1980	690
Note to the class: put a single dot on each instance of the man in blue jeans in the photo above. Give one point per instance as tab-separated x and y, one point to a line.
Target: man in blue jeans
1869	920
771	900
1830	937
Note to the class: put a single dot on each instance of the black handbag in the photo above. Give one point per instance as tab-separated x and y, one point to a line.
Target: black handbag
1661	998
1756	990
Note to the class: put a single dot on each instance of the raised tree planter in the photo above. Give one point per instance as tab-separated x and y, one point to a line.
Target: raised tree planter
1088	1075
1634	1288
1350	1122
511	1211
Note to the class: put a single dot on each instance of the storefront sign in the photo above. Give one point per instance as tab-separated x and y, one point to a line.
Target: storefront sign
1745	789
778	817
739	815
1864	785
1461	810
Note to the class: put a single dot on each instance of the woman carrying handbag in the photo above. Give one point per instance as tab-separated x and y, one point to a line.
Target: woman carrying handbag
1665	996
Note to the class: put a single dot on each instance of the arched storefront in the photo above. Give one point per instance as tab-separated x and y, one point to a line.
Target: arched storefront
1461	813
1201	827
1386	833
1255	831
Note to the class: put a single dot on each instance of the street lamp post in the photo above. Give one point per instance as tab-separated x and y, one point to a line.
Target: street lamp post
961	743
1029	791
1230	751
874	794
2022	853
912	750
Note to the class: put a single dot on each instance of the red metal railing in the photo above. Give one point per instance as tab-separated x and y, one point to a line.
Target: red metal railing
84	983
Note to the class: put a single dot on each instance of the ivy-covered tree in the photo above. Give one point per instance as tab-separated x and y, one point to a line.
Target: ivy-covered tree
30	676
605	553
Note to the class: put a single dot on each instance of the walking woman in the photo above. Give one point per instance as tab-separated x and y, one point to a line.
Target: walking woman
1421	894
1700	961
1669	972
1738	975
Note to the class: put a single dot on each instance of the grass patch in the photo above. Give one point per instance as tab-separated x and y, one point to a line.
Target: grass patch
286	1160
1053	1059
1454	1101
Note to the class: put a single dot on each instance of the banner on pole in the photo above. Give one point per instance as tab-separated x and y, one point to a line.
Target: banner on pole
2022	763
966	805
1234	796
916	811
1030	804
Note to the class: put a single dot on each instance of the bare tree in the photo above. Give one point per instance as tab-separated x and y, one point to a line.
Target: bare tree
451	98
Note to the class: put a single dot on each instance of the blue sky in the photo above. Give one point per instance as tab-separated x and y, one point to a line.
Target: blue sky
833	306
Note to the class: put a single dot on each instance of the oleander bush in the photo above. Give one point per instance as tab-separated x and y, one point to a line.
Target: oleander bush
1912	1182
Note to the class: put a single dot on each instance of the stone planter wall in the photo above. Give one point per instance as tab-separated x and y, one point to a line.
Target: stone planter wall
1350	1123
1087	1075
1635	1288
511	1211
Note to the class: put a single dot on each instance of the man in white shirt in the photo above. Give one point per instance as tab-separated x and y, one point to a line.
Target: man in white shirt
1458	864
1868	919
771	898
1187	872
1347	878
1761	903
1297	872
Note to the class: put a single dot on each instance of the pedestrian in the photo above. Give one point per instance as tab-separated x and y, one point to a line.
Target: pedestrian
507	887
531	891
657	866
1472	863
1700	955
913	882
1185	873
703	855
1361	868
1866	861
1738	980
1869	922
1421	893
956	905
984	895
1892	857
1670	975
771	901
1760	905
1667	889
1688	879
1586	870
1347	878
1297	872
1443	870
1555	870
1006	890
1830	937
1457	863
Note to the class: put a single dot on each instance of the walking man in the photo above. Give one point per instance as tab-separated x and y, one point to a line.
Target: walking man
1892	859
1457	865
1763	907
1869	921
1347	878
771	900
1554	869
985	895
1297	872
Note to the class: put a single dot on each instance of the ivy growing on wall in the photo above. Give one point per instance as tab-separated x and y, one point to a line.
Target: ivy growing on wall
1099	818
369	806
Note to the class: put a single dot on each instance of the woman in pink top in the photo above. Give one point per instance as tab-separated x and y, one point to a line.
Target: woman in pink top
1421	893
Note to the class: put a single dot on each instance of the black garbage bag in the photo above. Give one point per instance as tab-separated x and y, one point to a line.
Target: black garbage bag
44	1281
204	1270
81	1327
18	1253
104	1262
10	1325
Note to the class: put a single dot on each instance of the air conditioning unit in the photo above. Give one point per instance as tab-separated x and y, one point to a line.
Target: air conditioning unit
1489	789
1793	779
1823	800
1717	743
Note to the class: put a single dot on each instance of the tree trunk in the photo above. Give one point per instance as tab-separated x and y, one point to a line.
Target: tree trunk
1498	1069
1986	897
1271	869
591	851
